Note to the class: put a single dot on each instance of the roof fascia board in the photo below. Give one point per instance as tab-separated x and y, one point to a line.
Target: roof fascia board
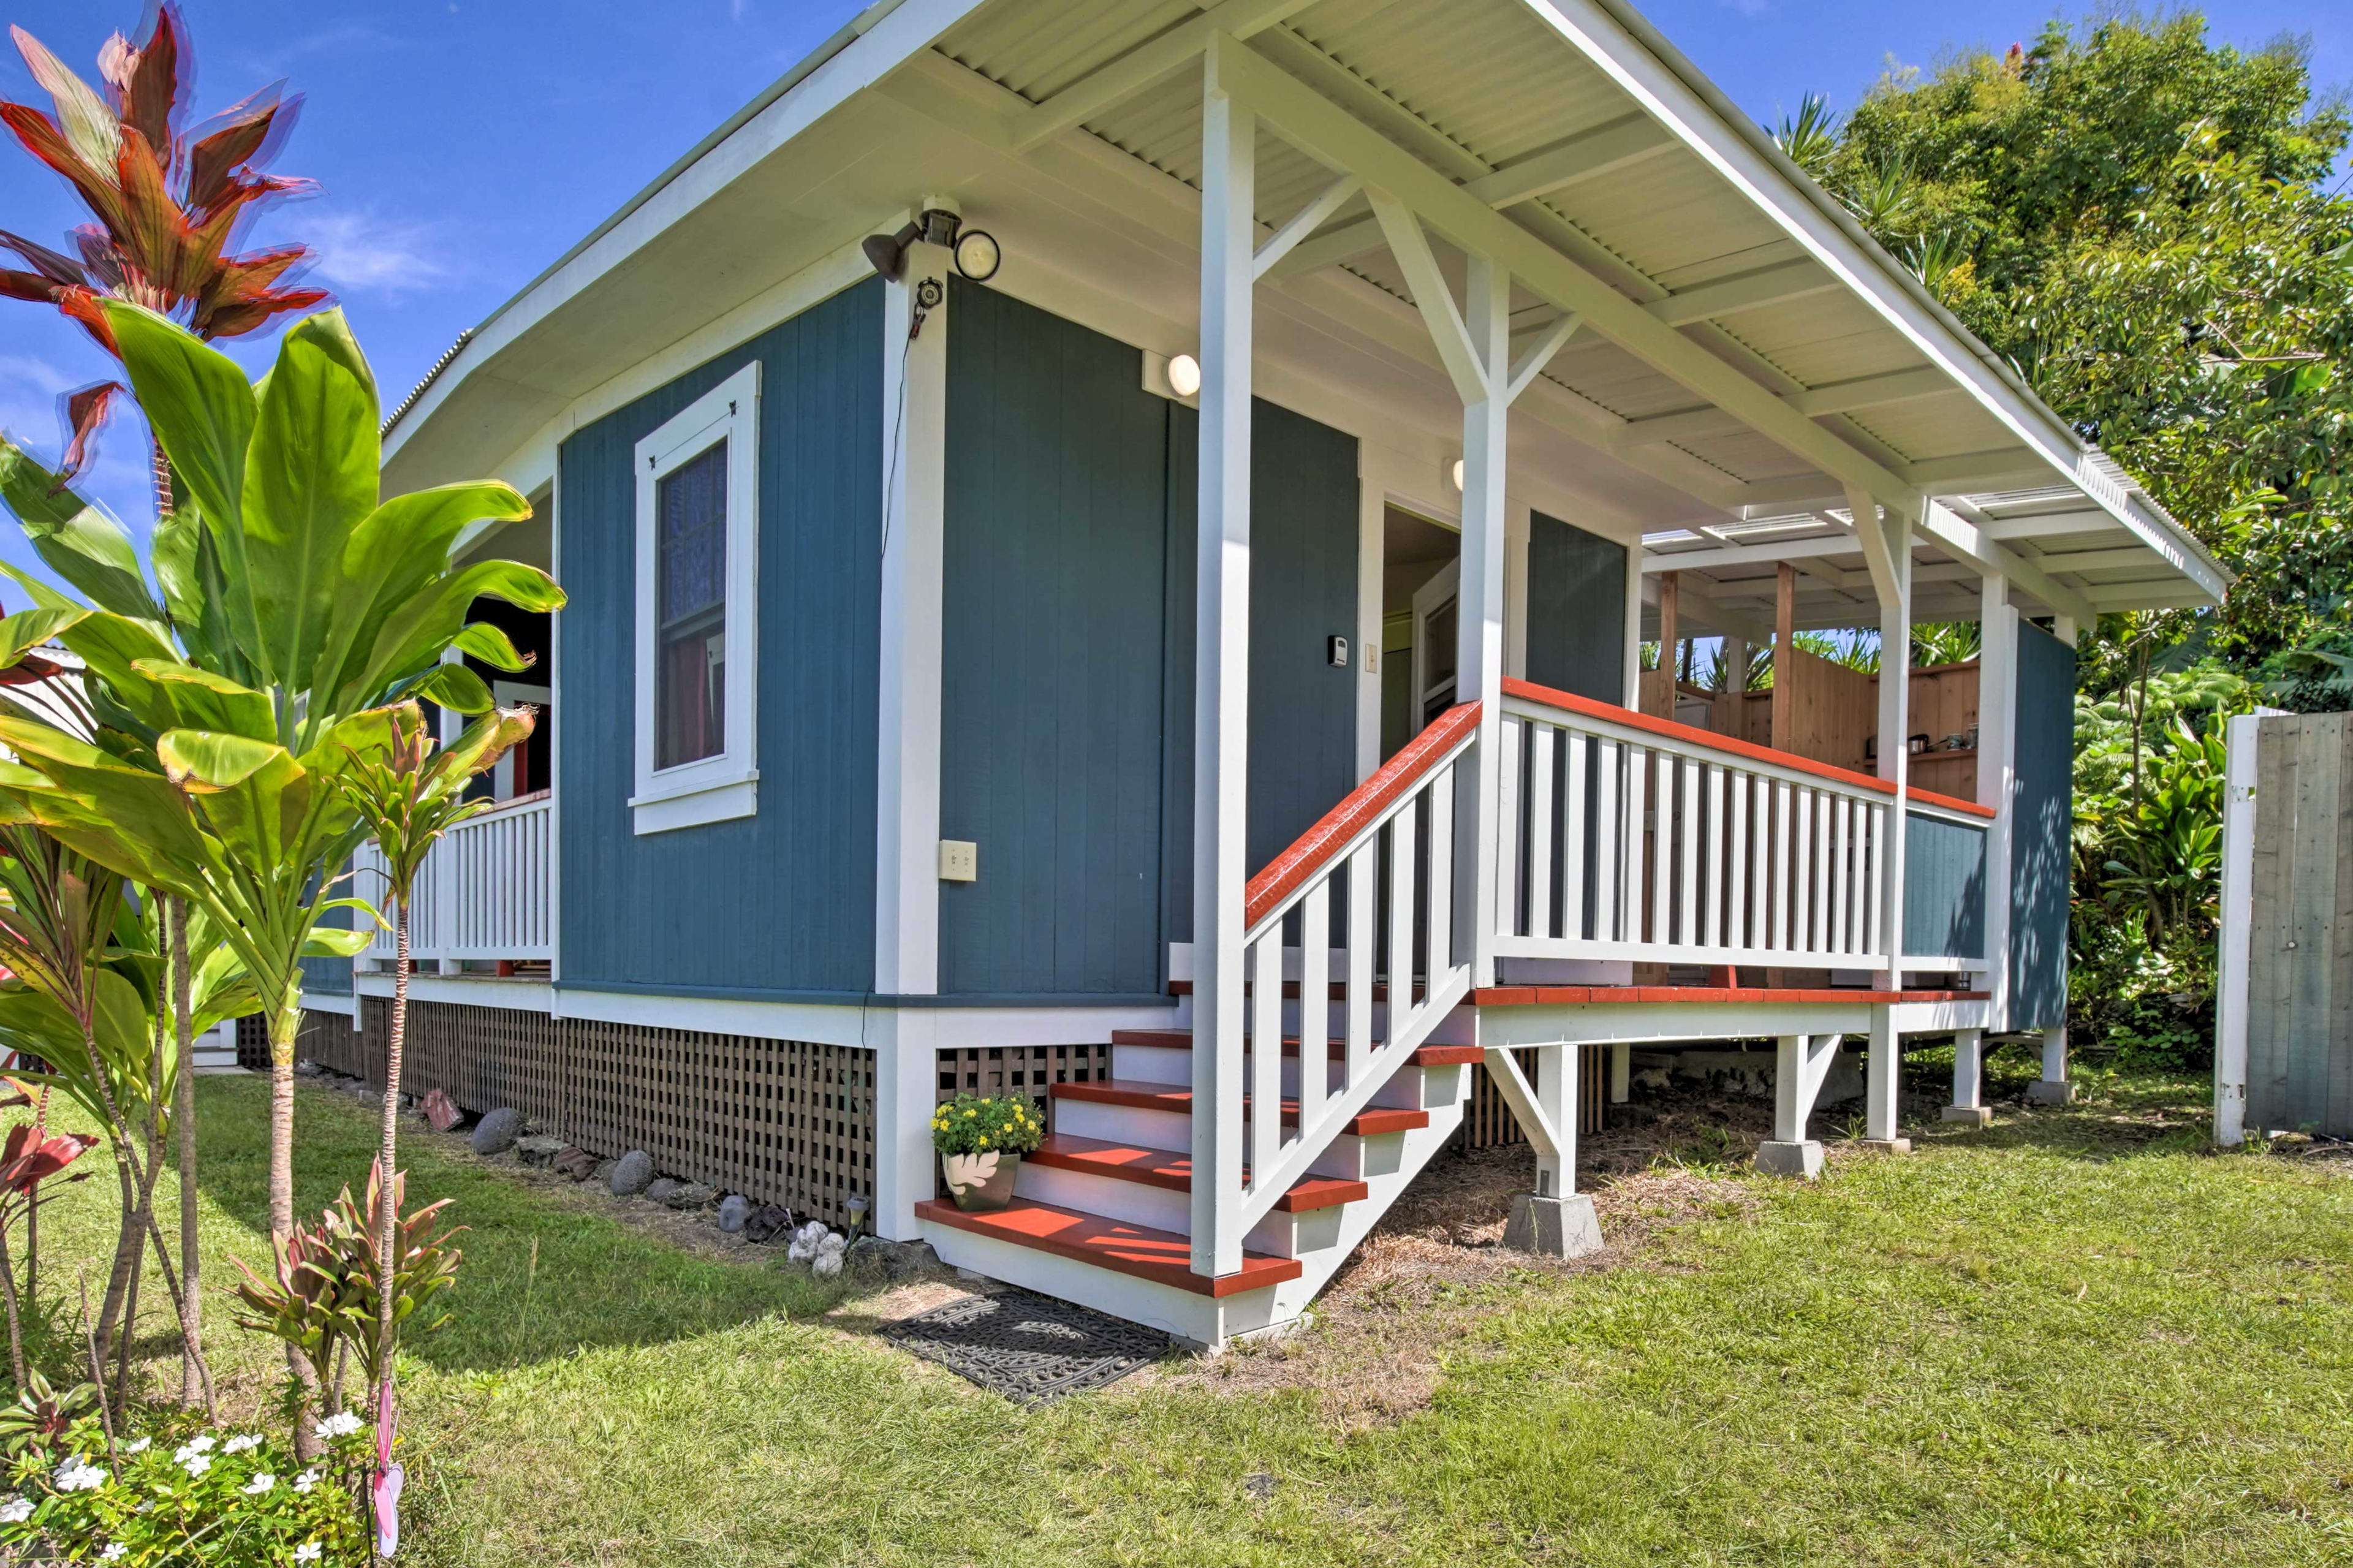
864	49
1631	52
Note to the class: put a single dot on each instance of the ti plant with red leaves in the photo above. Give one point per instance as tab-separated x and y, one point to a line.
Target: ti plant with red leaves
170	201
31	1155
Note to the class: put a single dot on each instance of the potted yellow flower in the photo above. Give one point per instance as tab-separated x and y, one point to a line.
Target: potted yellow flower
981	1141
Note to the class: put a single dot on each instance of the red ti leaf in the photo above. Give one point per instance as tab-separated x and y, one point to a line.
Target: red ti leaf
153	90
47	262
85	411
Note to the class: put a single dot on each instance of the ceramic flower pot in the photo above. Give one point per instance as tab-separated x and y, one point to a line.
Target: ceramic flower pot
983	1180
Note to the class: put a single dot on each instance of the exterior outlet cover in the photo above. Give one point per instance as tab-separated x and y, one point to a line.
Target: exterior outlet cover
959	860
1336	649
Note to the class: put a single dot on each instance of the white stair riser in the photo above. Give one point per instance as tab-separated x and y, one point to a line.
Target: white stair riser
1169	1064
1348	1157
1197	1319
1279	1234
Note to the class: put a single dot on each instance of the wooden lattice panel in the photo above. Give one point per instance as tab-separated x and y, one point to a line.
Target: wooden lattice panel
784	1121
1032	1070
1488	1121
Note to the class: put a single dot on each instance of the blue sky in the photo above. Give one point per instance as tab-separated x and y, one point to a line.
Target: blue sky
462	146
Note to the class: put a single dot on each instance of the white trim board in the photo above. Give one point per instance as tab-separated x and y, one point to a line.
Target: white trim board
726	784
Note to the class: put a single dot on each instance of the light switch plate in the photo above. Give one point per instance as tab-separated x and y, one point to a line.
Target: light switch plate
959	860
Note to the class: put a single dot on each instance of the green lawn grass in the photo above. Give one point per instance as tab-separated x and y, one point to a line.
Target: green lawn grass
2078	1337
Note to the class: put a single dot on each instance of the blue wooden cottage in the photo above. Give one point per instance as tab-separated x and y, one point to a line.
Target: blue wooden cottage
1110	545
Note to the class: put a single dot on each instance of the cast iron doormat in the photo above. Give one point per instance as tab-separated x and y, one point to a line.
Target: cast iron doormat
1030	1349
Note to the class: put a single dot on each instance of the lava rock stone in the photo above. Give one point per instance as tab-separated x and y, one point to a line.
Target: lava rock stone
733	1210
538	1149
766	1223
873	1256
632	1173
495	1131
688	1195
661	1189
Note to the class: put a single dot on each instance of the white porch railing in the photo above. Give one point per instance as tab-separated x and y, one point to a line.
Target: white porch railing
1627	837
1383	863
483	892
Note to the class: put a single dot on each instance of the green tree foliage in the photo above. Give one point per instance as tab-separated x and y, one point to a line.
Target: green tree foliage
2138	219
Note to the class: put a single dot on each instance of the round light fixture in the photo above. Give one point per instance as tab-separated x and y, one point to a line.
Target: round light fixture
1458	473
977	256
1184	375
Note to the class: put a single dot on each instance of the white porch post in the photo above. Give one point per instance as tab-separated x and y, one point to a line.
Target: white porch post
1969	1079
2239	818
2053	1087
1487	421
1887	547
1630	687
1997	780
907	776
1621	1073
1557	1087
1222	666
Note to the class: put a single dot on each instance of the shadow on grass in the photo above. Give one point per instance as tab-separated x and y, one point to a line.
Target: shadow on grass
541	1277
2116	1116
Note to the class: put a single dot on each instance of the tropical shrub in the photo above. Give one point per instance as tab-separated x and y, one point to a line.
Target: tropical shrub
970	1124
178	1495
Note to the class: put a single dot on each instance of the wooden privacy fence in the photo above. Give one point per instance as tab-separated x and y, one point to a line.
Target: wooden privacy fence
782	1121
2284	1048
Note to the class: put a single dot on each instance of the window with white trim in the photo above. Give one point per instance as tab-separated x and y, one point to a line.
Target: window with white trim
697	611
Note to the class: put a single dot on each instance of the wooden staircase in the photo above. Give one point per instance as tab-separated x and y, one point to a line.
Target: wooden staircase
1102	1211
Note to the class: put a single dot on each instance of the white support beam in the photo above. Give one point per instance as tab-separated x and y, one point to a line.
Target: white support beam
1604	150
1689	426
1746	554
1142	66
1752	291
1694	605
1964	541
1304	222
1997	775
2096	559
1479	619
1538	354
1978	472
1340	140
1221	661
1432	297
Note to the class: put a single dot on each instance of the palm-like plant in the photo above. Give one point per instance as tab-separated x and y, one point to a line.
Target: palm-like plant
169	202
290	612
409	796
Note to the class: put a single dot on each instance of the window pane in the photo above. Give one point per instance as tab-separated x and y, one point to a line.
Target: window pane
690	600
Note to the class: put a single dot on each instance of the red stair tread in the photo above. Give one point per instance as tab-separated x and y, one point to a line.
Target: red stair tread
1182	1040
1139	1250
1178	1097
1168	1169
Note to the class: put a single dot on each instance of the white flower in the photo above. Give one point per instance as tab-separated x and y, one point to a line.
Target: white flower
141	1447
77	1475
115	1552
197	1464
307	1552
190	1450
261	1484
16	1511
240	1445
306	1480
342	1426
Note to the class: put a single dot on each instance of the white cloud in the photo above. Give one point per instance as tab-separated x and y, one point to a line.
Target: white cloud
363	253
1748	7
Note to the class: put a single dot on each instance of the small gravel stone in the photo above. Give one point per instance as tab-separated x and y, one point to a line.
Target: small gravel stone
632	1173
495	1131
733	1210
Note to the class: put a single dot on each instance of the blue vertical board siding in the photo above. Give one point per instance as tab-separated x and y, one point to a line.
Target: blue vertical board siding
780	903
2044	804
1943	888
1303	710
1577	610
1052	678
332	976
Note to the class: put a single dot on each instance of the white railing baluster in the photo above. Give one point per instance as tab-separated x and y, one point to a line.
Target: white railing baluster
1314	1001
1264	1145
1572	856
1871	940
1364	938
1609	842
1509	862
1784	907
1834	939
1437	894
1401	912
1718	809
1542	809
1686	827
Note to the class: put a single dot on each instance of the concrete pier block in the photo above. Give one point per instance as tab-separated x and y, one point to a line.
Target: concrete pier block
2050	1091
1802	1160
1888	1145
1556	1227
1975	1115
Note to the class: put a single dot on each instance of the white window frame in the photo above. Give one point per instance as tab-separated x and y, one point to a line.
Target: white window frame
725	785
